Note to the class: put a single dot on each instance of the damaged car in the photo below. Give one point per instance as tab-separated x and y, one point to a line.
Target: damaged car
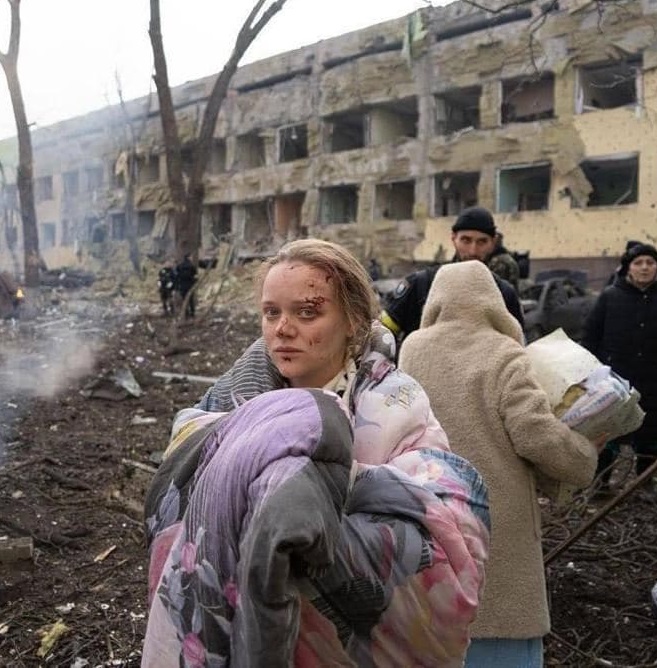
556	299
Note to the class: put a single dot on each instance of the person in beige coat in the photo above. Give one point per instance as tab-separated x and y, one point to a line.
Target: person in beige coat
469	358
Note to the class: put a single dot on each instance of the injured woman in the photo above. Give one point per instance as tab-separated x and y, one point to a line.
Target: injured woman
308	511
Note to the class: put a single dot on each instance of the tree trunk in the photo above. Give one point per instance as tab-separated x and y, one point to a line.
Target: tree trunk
188	202
24	172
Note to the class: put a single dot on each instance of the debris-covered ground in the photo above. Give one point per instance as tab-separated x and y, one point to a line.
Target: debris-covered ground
76	450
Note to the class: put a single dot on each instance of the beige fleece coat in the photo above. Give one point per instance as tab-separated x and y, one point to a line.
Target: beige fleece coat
468	357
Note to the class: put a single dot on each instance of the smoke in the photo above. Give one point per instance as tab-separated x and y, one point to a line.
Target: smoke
47	367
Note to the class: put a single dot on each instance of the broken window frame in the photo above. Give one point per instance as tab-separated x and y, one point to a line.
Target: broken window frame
218	161
296	143
448	125
43	188
609	162
260	149
399	109
325	217
458	201
522	85
522	207
148	170
71	183
290	226
47	235
331	122
389	210
634	63
94	177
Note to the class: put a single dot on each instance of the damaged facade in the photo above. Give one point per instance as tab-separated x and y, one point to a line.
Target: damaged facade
378	138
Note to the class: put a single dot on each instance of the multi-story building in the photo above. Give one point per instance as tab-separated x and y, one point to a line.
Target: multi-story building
544	112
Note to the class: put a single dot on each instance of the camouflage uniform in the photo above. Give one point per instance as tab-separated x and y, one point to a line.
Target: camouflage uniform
504	266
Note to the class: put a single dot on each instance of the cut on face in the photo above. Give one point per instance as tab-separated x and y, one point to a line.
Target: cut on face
305	328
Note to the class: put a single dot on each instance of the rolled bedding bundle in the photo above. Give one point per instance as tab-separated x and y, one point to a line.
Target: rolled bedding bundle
585	394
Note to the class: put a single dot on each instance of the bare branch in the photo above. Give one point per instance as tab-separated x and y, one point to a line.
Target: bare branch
14	35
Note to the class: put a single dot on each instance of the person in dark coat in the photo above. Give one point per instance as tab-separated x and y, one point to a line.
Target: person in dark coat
185	279
166	283
621	331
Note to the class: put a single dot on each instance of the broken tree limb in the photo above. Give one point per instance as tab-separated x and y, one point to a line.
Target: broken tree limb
646	475
185	376
138	465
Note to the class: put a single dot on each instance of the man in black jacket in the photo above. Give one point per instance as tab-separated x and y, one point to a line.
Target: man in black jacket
474	238
166	283
185	279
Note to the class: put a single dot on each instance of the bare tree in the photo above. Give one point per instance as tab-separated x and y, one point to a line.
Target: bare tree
187	197
24	172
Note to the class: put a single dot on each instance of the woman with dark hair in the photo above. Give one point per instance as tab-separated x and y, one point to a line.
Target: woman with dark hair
621	331
309	511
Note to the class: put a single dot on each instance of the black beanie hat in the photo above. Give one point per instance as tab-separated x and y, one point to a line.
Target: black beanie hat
475	218
635	252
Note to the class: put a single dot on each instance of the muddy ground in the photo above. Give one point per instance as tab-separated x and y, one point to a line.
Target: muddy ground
75	452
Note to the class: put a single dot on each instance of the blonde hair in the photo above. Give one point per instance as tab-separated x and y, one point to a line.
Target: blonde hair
353	288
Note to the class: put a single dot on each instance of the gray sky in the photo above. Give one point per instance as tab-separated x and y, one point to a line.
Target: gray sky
71	49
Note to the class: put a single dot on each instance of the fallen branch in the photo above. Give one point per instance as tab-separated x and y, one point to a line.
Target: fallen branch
647	474
138	465
185	376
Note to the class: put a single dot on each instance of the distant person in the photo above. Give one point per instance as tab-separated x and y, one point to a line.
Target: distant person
621	331
166	283
474	238
185	280
502	264
468	355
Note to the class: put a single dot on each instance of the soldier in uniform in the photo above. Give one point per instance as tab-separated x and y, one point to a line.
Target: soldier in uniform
185	279
473	236
502	264
166	283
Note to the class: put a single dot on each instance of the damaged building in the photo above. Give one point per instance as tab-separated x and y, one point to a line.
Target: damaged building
543	112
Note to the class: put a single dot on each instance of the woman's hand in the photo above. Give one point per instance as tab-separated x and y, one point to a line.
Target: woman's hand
600	442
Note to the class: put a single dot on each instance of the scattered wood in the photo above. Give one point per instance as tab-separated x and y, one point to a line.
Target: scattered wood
636	483
138	465
185	376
